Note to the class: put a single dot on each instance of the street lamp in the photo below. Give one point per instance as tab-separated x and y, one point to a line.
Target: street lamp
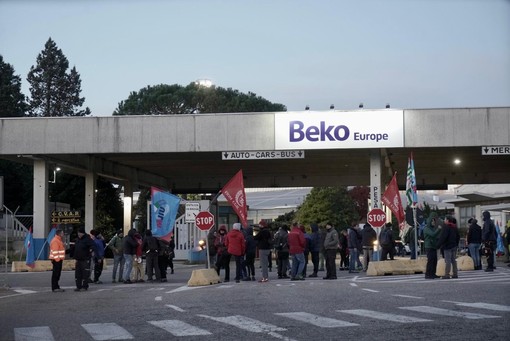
55	170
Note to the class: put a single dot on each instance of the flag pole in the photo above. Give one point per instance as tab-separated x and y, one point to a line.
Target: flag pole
415	233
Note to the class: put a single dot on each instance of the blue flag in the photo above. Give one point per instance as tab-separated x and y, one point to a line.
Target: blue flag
51	235
29	246
500	245
163	212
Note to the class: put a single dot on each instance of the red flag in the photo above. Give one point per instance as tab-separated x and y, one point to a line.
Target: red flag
234	192
391	198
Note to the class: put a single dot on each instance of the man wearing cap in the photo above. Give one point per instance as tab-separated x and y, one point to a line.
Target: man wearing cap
116	245
57	256
83	247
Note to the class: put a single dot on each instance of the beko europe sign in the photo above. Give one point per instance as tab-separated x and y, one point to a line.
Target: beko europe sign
337	129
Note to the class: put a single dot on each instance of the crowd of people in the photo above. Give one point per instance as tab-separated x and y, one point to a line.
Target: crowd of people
292	249
89	254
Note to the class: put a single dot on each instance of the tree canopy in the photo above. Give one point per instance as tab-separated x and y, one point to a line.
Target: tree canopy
12	101
166	99
328	204
54	91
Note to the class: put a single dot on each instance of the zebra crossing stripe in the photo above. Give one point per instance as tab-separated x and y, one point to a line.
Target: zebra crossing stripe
33	333
383	316
481	305
179	328
319	321
246	323
107	331
446	312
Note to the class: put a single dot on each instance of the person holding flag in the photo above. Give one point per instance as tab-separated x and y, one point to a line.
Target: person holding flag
57	256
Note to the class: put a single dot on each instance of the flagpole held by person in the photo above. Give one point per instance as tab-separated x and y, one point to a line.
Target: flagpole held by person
412	198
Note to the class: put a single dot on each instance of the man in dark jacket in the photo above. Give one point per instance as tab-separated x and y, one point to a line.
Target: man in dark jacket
448	241
83	247
264	243
368	237
150	248
431	233
129	249
331	247
489	238
282	250
315	248
474	240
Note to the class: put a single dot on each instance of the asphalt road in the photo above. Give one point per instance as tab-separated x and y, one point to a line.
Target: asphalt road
474	307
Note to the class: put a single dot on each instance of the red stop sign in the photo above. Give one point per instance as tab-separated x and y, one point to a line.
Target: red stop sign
204	220
376	217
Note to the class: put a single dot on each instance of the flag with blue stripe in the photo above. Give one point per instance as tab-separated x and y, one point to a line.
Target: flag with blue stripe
29	246
412	196
164	209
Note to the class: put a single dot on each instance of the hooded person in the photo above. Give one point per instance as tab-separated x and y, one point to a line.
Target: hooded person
431	233
315	248
489	239
264	243
251	249
83	247
448	241
129	249
474	240
368	237
223	257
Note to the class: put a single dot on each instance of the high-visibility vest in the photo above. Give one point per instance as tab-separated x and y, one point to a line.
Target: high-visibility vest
57	249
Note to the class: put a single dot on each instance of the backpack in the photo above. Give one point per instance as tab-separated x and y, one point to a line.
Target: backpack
385	238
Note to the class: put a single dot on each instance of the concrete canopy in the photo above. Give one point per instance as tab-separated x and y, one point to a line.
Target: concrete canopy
183	153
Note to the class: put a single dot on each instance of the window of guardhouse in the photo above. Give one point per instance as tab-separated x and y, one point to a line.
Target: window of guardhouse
227	217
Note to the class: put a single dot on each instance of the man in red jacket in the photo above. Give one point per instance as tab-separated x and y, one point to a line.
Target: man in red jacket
296	249
236	246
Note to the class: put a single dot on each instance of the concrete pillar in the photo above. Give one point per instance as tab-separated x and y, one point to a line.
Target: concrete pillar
128	206
375	178
90	201
41	213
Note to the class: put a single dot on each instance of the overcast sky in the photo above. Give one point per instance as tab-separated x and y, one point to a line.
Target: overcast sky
409	53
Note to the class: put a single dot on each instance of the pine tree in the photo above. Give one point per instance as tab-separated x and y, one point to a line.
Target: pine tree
12	101
54	91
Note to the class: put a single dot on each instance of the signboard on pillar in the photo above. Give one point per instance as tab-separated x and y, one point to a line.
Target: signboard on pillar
375	178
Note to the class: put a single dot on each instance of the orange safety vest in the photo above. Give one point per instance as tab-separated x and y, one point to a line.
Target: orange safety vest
57	249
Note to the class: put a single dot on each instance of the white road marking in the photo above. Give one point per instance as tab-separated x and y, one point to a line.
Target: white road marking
33	333
353	284
24	291
107	331
176	308
158	298
383	316
183	288
481	305
316	320
246	323
446	312
370	290
409	296
179	328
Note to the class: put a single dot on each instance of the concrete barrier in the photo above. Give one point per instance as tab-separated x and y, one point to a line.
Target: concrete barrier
41	265
203	277
45	265
463	263
397	267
